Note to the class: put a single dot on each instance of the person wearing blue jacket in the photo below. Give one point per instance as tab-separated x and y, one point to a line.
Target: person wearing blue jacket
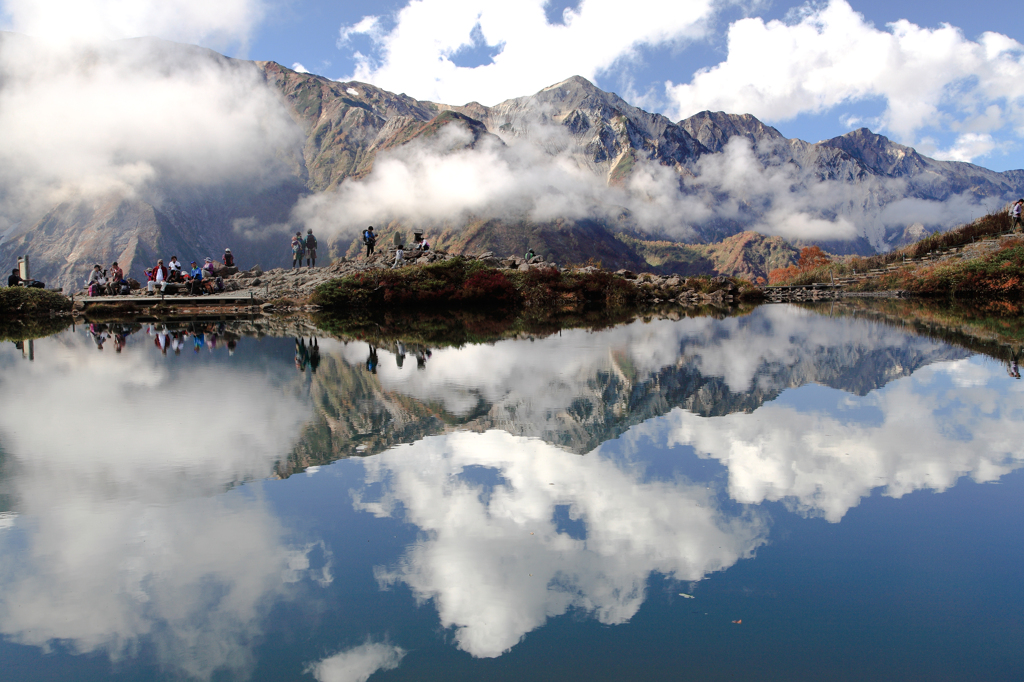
196	273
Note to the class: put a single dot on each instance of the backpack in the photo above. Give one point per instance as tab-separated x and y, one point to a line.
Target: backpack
310	242
369	237
297	246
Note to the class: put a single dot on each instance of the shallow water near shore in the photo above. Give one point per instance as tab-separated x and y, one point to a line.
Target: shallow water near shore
780	495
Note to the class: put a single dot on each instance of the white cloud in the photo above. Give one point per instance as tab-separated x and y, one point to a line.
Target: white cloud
496	565
299	68
120	117
369	26
196	21
968	146
358	663
416	55
832	56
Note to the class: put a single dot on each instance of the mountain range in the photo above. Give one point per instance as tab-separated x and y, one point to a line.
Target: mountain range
574	172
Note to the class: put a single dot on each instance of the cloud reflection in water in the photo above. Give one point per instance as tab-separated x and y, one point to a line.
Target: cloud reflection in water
496	565
115	465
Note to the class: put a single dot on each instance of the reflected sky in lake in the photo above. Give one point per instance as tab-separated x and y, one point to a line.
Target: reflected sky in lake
780	495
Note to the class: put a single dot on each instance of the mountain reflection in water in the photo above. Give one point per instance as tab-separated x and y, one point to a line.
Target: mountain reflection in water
496	486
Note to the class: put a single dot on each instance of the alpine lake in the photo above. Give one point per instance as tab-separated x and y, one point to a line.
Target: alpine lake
829	492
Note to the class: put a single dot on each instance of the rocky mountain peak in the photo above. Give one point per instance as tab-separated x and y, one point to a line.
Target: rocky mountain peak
714	129
878	153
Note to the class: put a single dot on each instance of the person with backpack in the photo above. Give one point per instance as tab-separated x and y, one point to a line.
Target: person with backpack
370	239
298	247
310	245
1015	215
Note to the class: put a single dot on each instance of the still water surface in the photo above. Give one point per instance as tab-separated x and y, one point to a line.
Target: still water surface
776	496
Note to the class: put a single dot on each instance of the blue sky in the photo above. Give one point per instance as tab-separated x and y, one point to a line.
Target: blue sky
946	77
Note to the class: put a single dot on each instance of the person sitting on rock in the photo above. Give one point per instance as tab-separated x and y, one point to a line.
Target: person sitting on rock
116	279
161	276
97	282
211	281
229	260
14	279
196	276
529	255
174	270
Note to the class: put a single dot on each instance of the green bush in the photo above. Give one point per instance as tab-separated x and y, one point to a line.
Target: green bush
18	302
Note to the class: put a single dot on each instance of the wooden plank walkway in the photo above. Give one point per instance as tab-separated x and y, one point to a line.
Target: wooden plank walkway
175	299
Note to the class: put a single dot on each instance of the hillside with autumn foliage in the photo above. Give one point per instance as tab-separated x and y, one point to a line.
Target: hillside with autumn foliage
981	259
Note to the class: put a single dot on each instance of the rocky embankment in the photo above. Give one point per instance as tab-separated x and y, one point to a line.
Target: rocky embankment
293	288
297	285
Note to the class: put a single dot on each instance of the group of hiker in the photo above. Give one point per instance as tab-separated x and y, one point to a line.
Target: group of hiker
304	247
196	279
419	244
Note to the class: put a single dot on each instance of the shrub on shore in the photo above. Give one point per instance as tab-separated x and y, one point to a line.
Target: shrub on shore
18	302
466	282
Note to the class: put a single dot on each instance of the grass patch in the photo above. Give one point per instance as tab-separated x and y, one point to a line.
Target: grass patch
21	302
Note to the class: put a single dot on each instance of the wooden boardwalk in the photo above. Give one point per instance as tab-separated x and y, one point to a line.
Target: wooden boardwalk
144	301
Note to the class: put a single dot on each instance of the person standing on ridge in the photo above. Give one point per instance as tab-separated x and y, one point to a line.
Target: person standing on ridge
370	239
298	246
1015	215
310	244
